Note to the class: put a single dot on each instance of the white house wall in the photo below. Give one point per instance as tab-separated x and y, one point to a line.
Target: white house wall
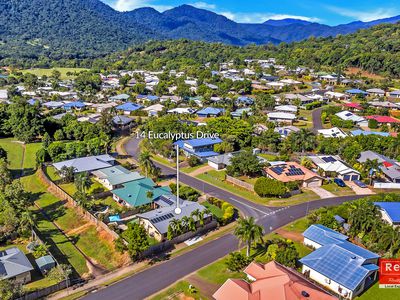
311	243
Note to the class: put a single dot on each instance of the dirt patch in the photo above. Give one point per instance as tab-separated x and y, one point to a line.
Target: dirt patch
206	288
79	229
121	259
200	171
354	71
294	236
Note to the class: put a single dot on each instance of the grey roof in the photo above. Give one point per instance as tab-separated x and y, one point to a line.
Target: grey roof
121	120
371	155
222	159
89	163
160	218
13	262
117	175
45	260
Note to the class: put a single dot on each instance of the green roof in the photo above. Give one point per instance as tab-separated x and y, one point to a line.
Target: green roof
135	192
117	175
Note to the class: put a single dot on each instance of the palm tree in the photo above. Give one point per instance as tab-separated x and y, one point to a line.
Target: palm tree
82	182
176	226
247	231
146	164
199	216
371	167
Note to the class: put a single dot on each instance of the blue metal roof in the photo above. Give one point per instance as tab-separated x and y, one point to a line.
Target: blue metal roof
199	142
356	91
211	111
75	104
363	132
245	99
339	264
391	208
323	235
129	106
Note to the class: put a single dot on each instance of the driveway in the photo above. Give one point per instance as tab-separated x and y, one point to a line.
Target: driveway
322	193
358	190
316	118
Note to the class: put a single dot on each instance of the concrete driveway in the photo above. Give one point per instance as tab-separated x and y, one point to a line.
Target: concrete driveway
322	193
358	190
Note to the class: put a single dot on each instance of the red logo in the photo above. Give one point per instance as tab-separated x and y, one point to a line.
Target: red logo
389	272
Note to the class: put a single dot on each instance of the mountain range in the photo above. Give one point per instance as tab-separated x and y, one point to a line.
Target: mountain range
89	28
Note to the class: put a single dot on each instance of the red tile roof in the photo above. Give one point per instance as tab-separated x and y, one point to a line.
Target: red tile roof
383	119
272	281
354	105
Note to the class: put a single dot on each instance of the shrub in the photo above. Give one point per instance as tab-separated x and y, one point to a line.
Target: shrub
237	261
265	187
193	161
372	124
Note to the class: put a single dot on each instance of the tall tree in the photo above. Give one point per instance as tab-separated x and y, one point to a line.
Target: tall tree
247	231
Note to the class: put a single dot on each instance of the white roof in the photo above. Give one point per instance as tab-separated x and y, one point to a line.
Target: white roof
182	110
281	115
346	115
3	94
156	107
287	108
332	132
335	94
334	165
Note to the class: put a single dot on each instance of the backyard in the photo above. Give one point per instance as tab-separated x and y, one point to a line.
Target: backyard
48	72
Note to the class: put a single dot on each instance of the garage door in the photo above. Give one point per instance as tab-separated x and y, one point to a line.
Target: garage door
346	177
355	177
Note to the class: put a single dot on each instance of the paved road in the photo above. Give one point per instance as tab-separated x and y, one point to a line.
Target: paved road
316	119
152	280
247	208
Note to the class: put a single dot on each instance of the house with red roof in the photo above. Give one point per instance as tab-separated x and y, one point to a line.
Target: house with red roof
353	106
271	281
383	119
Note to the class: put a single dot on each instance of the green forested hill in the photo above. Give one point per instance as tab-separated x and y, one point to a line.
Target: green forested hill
376	50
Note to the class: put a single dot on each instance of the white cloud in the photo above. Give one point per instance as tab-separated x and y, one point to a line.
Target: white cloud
128	5
262	17
365	16
203	5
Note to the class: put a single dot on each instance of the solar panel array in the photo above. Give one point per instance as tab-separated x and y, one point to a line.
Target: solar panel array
167	200
293	171
162	218
328	159
277	170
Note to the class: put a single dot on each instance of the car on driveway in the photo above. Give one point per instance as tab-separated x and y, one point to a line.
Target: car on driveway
360	184
339	182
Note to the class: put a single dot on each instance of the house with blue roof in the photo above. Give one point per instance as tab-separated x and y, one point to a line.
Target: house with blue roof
354	92
128	107
244	100
201	148
150	98
74	105
364	132
337	264
120	97
239	113
210	112
390	212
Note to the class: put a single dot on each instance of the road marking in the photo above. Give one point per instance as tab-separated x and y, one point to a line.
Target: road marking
249	206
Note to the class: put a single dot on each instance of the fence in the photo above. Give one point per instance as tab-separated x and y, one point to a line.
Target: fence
46	291
386	185
163	246
60	193
240	183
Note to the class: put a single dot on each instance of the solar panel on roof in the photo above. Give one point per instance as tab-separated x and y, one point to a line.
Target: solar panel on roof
162	218
277	170
328	159
168	201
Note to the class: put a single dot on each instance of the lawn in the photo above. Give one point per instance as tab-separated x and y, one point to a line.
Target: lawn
268	157
216	178
375	293
215	210
175	292
30	156
218	273
297	226
15	152
337	190
51	172
192	169
48	72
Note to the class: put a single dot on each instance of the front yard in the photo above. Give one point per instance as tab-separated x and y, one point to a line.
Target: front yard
337	190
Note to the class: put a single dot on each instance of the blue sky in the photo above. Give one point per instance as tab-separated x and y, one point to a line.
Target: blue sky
330	12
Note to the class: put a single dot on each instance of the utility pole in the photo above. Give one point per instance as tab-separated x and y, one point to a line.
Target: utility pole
178	210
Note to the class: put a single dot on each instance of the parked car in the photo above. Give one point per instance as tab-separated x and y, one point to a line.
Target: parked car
360	184
339	182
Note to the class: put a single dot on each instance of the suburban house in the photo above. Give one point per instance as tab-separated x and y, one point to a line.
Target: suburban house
53	104
337	264
364	132
383	119
45	263
376	92
240	112
182	110
100	107
14	265
334	132
121	120
139	192
156	222
281	117
245	100
113	177
285	131
394	94
292	171
390	212
220	162
349	116
355	92
144	98
128	107
270	281
286	108
336	95
78	105
201	148
153	110
87	164
120	97
353	106
210	112
333	166
389	167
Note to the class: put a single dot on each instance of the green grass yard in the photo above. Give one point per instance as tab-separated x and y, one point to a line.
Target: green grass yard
337	190
217	178
215	210
175	292
15	152
48	72
375	293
